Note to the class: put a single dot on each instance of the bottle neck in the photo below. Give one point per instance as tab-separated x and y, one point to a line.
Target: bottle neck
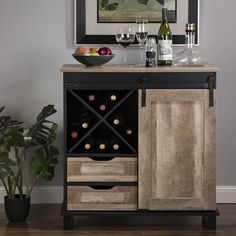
190	39
164	16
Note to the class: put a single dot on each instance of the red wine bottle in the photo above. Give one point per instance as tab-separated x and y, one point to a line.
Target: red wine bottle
102	142
118	120
91	97
74	130
89	143
102	104
84	121
115	144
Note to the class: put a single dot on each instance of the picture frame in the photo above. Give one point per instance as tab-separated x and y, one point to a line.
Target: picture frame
88	31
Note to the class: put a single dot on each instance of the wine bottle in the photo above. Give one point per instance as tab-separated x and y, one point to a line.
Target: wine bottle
115	144
112	96
165	51
74	130
91	97
84	121
118	120
89	143
102	142
102	104
128	131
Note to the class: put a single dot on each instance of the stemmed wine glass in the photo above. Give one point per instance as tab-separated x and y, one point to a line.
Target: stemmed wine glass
125	37
141	30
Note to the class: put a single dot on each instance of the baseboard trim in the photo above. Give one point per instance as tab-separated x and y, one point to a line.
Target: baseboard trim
226	194
41	194
54	194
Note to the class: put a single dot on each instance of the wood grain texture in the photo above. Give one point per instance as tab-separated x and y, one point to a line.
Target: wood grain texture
119	198
88	170
134	69
177	149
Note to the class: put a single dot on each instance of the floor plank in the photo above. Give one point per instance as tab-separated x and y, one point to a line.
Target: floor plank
46	220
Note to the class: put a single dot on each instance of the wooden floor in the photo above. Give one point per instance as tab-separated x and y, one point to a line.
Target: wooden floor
46	220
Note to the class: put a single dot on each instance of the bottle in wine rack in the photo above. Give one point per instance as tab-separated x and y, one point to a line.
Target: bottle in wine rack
89	143
128	131
118	120
102	104
92	97
115	144
165	51
112	97
74	130
84	121
102	142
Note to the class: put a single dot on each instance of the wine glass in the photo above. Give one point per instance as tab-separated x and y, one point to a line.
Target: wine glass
125	37
141	30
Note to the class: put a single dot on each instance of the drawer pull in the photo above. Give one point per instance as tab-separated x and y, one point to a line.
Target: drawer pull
101	187
101	158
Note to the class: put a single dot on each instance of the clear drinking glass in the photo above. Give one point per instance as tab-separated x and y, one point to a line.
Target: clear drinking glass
125	37
141	31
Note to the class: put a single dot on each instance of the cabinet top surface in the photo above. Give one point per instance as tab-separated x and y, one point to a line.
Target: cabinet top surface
73	68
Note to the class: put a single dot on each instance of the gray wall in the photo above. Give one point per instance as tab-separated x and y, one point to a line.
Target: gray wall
36	39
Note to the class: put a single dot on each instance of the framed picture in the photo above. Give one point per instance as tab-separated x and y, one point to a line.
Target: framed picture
97	21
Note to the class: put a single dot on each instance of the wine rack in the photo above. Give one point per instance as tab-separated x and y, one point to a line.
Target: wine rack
110	115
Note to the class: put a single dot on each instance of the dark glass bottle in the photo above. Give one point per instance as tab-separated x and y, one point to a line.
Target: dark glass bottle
102	143
165	51
92	97
74	131
102	104
128	131
112	96
115	144
89	144
84	121
118	120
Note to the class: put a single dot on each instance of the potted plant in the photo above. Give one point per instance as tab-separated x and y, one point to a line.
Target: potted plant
15	142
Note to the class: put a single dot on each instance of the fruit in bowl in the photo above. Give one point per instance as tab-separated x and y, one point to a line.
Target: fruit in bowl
93	56
80	51
83	51
105	51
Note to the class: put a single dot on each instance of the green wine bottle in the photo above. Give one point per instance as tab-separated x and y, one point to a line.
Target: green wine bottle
165	51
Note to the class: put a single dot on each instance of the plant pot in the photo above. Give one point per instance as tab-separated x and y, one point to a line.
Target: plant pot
17	209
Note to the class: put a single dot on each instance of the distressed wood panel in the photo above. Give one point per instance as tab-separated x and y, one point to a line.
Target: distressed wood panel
119	198
88	170
177	149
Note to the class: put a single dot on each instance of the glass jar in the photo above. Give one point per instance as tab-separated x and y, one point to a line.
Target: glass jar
190	56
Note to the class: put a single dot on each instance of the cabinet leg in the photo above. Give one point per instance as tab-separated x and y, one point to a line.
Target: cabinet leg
68	222
209	222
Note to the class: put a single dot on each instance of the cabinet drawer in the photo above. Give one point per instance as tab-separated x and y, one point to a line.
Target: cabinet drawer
118	198
88	170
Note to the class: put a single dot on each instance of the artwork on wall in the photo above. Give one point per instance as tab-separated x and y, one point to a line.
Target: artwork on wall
97	21
113	11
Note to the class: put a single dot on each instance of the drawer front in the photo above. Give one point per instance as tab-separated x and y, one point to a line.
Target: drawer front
118	198
88	170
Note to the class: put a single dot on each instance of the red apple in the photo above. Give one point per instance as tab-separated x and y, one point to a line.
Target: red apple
105	51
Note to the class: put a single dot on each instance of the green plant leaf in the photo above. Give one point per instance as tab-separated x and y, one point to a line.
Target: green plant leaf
5	160
161	1
104	3
43	131
144	2
111	7
43	162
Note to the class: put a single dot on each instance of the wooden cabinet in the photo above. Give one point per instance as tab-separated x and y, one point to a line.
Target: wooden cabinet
166	167
177	151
